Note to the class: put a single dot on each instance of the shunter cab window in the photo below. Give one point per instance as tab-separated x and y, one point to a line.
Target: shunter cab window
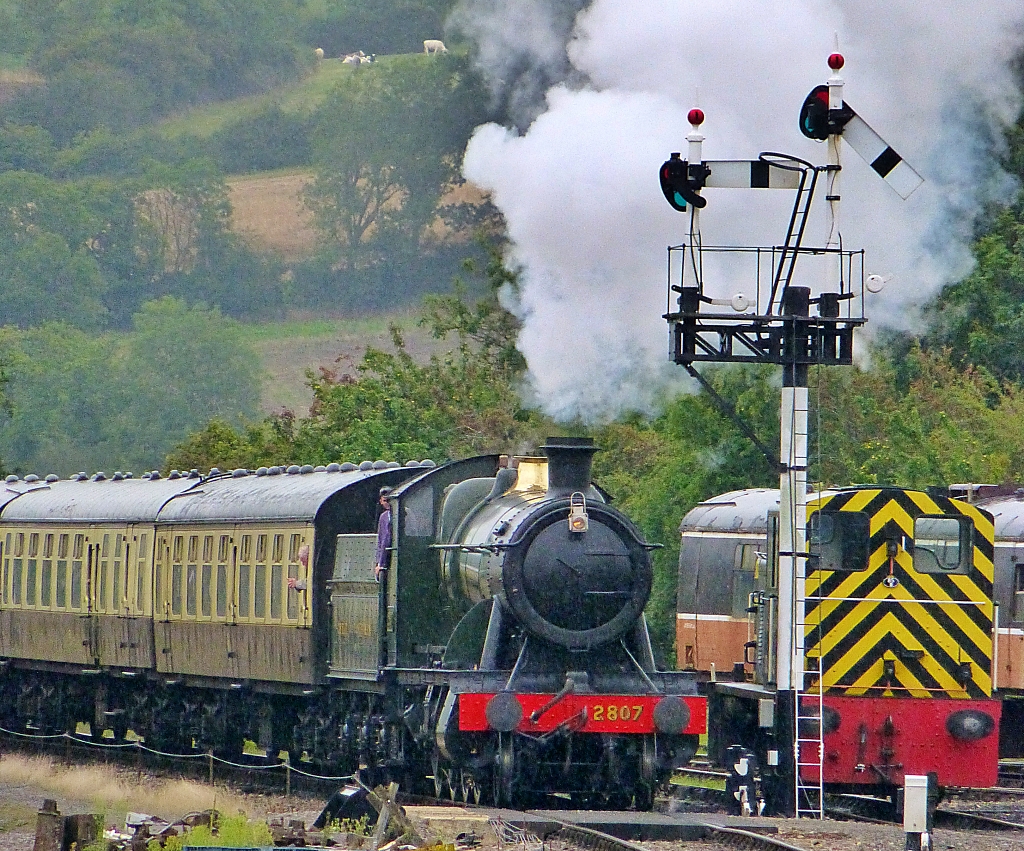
943	544
838	540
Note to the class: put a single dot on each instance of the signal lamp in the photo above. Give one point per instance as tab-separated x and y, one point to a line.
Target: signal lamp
680	182
819	122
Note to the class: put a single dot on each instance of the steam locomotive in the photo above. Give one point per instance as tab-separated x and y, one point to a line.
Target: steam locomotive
503	654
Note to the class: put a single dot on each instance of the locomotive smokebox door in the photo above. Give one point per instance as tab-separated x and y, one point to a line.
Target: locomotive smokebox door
355	607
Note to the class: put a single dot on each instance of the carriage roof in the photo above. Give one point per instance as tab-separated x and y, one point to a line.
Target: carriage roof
271	495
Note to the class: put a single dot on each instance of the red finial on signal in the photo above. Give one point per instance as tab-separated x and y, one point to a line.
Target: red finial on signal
695	117
836	61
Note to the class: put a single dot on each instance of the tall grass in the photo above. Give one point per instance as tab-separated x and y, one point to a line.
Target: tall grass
110	791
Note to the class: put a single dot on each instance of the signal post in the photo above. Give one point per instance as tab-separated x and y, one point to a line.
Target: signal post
775	324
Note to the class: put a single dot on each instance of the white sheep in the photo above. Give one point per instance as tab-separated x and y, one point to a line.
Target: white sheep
434	45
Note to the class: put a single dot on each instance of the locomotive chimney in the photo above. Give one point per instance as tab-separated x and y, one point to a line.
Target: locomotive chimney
570	460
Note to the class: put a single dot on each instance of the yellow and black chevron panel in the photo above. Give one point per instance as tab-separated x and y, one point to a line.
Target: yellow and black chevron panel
890	614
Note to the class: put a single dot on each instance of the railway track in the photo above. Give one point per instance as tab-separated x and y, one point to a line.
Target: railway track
717	836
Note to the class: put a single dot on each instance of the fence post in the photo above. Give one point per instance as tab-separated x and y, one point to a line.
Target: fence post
209	755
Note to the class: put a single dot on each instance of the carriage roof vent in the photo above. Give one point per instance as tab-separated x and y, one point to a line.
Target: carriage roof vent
53	477
306	468
155	474
293	469
100	477
31	477
275	471
319	468
262	471
334	467
118	476
427	462
174	475
240	473
393	465
380	465
366	465
348	467
12	478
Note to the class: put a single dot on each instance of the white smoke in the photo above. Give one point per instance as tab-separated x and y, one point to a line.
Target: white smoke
580	193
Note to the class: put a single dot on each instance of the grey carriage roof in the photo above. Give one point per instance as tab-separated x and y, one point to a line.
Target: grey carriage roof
1008	514
737	511
92	500
285	496
242	496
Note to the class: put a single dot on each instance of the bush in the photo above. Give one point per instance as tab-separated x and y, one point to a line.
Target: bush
227	832
263	141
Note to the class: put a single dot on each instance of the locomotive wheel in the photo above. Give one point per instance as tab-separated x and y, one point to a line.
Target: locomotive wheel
504	771
435	768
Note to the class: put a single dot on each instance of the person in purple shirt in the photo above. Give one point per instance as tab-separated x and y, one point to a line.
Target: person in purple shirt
383	535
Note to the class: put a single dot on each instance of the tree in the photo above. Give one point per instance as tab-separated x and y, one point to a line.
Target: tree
384	156
91	401
460	403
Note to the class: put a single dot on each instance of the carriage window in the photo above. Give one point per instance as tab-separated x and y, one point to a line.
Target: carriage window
76	583
1018	593
33	545
46	583
293	547
102	597
16	581
246	548
278	548
62	581
244	592
46	586
222	549
141	571
176	589
19	544
838	540
293	598
190	590
222	590
276	574
942	544
259	608
206	588
30	582
118	571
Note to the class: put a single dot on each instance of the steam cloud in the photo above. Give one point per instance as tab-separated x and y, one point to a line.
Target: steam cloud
579	188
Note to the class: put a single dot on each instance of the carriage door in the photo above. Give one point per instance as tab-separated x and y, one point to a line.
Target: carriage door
86	558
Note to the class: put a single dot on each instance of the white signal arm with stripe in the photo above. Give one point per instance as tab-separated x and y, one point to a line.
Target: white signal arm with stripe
877	153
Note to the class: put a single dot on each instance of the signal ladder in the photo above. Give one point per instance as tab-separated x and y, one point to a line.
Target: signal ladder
808	742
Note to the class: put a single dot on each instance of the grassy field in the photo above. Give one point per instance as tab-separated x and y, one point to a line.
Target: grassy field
288	349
